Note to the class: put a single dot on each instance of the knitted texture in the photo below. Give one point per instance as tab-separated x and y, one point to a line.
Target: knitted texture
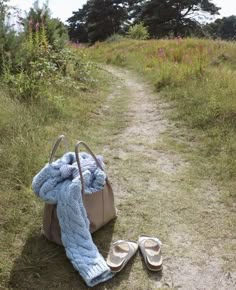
55	185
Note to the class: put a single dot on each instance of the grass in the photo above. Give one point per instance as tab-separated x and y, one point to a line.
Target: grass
198	77
98	115
29	133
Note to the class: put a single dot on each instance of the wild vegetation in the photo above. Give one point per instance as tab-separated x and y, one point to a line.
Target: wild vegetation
198	77
48	87
36	81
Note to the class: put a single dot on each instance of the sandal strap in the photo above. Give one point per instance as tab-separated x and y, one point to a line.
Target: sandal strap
145	238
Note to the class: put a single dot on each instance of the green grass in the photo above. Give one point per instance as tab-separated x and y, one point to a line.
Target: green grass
202	96
27	135
198	77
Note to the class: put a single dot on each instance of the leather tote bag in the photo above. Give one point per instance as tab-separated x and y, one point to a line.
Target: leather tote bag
99	205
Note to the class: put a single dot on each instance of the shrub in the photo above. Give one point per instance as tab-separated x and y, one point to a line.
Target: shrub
138	31
114	38
42	66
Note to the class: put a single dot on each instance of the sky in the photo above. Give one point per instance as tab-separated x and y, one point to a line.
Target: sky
60	8
63	8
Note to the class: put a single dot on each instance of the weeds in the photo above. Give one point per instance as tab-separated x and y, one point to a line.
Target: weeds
45	90
34	94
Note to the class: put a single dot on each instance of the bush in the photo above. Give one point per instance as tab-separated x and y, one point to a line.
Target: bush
114	38
37	77
138	31
42	66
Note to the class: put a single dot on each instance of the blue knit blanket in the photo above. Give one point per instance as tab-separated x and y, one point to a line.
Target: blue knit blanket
59	183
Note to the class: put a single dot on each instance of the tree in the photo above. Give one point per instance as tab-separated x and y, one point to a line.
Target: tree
98	19
134	8
78	25
3	28
177	17
224	28
8	39
105	17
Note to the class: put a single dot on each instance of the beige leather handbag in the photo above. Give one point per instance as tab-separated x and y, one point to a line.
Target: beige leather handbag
99	205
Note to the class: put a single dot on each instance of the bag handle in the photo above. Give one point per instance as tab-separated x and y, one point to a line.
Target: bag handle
78	161
55	146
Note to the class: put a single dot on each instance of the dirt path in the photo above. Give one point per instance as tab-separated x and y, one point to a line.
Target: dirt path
157	195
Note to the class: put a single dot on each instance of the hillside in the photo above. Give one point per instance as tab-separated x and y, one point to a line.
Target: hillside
197	77
162	113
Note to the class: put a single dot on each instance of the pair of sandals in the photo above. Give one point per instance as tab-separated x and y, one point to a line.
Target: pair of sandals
123	250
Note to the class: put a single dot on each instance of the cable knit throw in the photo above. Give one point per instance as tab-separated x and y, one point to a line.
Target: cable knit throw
59	183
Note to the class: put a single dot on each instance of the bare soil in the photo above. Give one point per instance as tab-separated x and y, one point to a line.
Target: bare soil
164	200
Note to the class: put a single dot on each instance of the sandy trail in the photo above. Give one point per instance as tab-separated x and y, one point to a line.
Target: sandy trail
187	214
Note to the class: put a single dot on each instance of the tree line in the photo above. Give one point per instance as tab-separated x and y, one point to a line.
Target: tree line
99	19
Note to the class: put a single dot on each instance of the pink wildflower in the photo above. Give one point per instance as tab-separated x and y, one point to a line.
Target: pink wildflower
37	27
42	20
201	48
179	39
161	53
30	24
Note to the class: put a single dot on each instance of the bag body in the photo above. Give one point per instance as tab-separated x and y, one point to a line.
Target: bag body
100	205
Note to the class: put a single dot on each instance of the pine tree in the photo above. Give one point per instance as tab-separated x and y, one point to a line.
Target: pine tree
105	17
224	28
78	25
174	16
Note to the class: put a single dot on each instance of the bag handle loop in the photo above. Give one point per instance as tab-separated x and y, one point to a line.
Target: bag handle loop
78	144
55	146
